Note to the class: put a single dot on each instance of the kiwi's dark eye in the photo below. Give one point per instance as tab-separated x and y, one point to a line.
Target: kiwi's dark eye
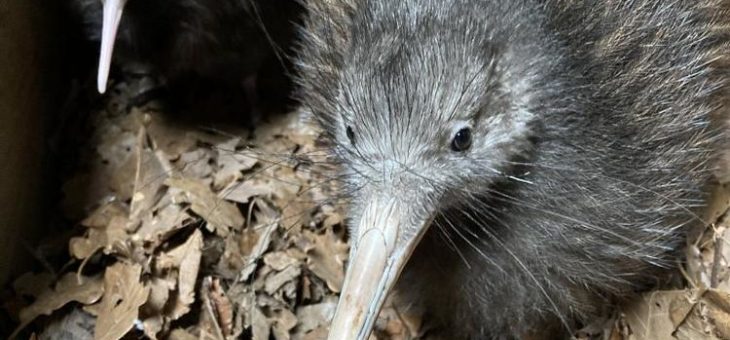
462	140
350	134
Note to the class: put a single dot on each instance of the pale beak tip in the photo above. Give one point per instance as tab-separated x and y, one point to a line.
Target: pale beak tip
112	15
101	86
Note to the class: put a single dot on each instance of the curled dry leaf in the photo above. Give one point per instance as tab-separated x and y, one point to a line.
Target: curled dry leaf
220	215
123	295
221	304
85	290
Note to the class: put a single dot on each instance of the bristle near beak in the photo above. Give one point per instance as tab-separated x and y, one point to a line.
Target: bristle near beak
112	16
380	251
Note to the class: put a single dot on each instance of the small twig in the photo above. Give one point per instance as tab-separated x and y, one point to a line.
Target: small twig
717	259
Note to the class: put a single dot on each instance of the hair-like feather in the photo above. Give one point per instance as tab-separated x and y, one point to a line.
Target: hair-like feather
596	128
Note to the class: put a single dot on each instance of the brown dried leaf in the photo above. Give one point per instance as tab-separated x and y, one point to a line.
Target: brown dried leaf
149	179
117	145
279	260
221	304
333	218
399	325
296	213
286	185
261	236
123	295
656	315
277	280
158	227
718	311
160	288
242	192
231	163
113	234
83	247
327	259
241	318
283	323
153	325
186	258
172	139
708	251
260	325
231	261
318	334
121	178
696	325
718	203
196	163
181	334
32	284
68	289
103	216
313	316
219	214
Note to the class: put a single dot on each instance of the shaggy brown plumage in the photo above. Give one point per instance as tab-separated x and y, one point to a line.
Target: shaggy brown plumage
593	129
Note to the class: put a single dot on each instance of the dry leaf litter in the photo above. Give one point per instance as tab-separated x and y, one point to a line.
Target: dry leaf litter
198	233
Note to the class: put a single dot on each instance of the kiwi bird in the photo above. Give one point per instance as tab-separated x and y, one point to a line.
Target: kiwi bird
225	41
515	165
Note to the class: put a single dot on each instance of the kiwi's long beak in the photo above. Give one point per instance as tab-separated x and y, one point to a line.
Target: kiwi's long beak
380	251
112	16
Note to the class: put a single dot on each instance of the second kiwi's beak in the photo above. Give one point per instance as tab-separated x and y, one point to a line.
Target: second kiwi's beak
112	16
384	242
